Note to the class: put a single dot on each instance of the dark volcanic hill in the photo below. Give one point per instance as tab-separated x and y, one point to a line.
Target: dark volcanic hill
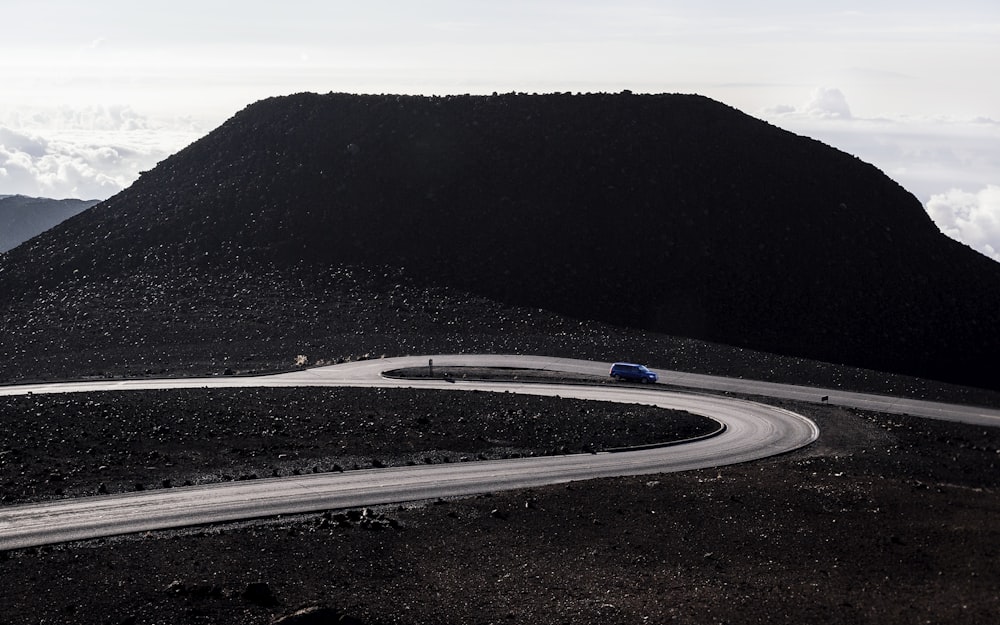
23	217
669	213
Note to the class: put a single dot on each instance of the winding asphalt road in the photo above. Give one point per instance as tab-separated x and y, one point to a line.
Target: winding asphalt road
748	431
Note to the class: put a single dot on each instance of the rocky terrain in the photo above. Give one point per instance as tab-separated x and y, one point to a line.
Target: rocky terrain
669	230
886	519
669	213
179	321
96	443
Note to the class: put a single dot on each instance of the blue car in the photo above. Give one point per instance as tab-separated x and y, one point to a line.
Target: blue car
630	371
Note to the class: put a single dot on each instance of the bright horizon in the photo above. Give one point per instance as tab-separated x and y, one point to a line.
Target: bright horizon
95	93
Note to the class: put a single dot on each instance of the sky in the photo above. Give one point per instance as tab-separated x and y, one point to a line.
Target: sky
93	93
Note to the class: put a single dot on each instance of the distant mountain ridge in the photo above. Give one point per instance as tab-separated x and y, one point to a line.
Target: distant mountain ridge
669	213
23	217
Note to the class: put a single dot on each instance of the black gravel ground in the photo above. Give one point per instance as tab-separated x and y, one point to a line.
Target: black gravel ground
202	268
886	519
92	443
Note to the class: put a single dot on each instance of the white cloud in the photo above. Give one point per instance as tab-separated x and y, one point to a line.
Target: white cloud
927	155
972	218
59	170
90	153
827	103
938	159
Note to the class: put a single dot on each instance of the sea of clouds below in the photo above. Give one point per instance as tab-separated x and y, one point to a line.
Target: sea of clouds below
951	166
89	153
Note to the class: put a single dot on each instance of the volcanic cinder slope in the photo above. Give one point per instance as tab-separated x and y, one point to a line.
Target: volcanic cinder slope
338	225
672	214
